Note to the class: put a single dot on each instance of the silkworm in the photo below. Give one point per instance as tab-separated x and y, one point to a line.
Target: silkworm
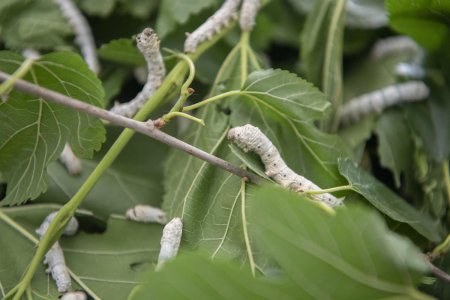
146	214
408	70
250	138
148	43
248	14
170	241
220	19
70	161
71	227
83	33
54	257
377	101
78	295
395	44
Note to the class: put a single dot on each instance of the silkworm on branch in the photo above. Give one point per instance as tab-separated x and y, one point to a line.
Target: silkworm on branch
54	257
249	10
212	26
392	45
70	161
170	241
148	43
78	295
146	214
377	101
83	33
250	138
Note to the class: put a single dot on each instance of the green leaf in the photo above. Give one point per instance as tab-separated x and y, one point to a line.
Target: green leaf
173	13
139	8
34	131
122	51
325	255
101	8
387	202
366	14
134	178
321	47
36	24
424	20
286	93
108	263
394	144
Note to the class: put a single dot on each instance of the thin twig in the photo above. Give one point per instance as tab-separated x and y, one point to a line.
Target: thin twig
440	273
146	128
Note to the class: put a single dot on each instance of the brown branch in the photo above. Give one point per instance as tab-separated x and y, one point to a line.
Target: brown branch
440	273
146	128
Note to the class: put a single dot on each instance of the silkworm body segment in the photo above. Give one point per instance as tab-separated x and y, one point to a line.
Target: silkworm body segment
54	258
250	138
377	101
170	241
147	214
220	19
71	227
70	161
248	14
78	295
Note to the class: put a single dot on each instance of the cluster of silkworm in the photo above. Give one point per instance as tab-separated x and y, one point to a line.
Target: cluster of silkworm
146	214
83	33
220	19
395	44
250	138
248	13
377	101
170	241
54	258
148	43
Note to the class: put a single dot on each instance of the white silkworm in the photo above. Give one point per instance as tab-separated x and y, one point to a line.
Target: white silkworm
146	214
70	161
377	101
395	44
83	33
170	241
54	258
148	43
71	227
78	295
31	53
213	25
412	71
250	138
248	14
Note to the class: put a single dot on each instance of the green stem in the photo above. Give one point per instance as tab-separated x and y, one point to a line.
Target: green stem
185	92
66	212
245	230
5	218
169	116
6	86
330	190
212	99
446	179
244	42
442	247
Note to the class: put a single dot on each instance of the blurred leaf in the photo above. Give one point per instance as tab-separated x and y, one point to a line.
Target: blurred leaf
387	202
122	51
366	14
36	24
113	80
286	93
34	131
321	47
424	20
395	144
350	249
140	8
174	12
101	8
135	177
104	263
440	288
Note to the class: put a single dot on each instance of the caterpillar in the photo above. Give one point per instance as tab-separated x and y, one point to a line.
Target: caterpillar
394	44
409	70
78	295
147	214
250	138
248	14
83	33
54	257
170	241
148	43
220	19
377	101
70	161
